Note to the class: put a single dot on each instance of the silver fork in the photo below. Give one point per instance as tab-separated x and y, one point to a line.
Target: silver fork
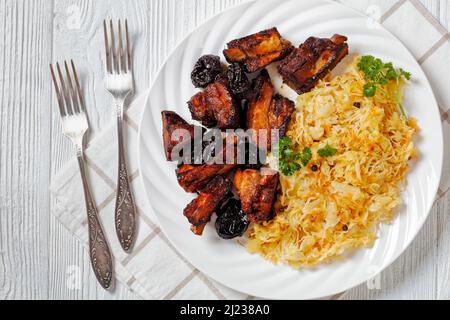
119	83
75	125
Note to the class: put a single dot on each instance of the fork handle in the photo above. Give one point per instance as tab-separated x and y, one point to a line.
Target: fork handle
125	214
99	252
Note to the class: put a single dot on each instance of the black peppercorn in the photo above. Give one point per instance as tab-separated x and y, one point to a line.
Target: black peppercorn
315	168
345	228
357	105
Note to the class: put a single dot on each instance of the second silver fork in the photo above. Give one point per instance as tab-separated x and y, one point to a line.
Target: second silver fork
119	83
75	125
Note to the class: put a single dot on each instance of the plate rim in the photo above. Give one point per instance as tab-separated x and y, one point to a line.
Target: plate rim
421	222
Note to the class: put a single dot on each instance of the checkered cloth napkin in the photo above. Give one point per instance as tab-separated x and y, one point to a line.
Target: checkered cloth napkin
155	270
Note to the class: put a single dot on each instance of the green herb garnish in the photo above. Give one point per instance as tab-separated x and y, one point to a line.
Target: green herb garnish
377	73
288	157
306	156
291	161
289	168
327	151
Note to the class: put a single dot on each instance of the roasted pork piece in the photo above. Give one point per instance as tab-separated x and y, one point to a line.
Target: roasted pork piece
280	114
194	178
200	211
258	50
258	111
176	131
314	60
258	193
267	112
215	107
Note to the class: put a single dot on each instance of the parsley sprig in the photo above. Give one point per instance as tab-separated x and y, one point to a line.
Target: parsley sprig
327	151
377	73
291	161
306	156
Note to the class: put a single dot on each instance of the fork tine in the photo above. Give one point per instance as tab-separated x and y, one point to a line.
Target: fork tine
129	62
74	96
78	88
107	48
120	50
113	48
59	97
65	94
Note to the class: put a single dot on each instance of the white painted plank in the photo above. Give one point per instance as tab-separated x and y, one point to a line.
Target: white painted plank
24	157
443	249
440	9
433	6
444	14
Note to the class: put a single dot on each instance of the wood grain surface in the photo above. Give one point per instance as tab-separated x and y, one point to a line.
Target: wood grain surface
39	259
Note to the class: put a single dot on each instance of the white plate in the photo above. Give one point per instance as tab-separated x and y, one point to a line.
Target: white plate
226	261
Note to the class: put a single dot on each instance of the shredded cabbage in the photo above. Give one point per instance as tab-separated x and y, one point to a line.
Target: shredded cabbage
322	215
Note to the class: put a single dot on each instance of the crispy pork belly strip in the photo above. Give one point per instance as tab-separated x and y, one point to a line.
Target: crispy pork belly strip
258	50
200	211
175	131
258	193
201	111
267	112
226	110
215	107
194	178
314	60
258	111
280	114
198	230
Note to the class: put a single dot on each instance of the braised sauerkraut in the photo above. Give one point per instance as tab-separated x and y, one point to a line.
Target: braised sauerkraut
325	213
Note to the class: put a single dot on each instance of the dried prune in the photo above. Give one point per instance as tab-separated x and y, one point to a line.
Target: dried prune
232	222
206	71
238	80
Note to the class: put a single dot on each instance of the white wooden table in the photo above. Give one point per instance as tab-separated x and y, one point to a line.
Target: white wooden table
37	255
